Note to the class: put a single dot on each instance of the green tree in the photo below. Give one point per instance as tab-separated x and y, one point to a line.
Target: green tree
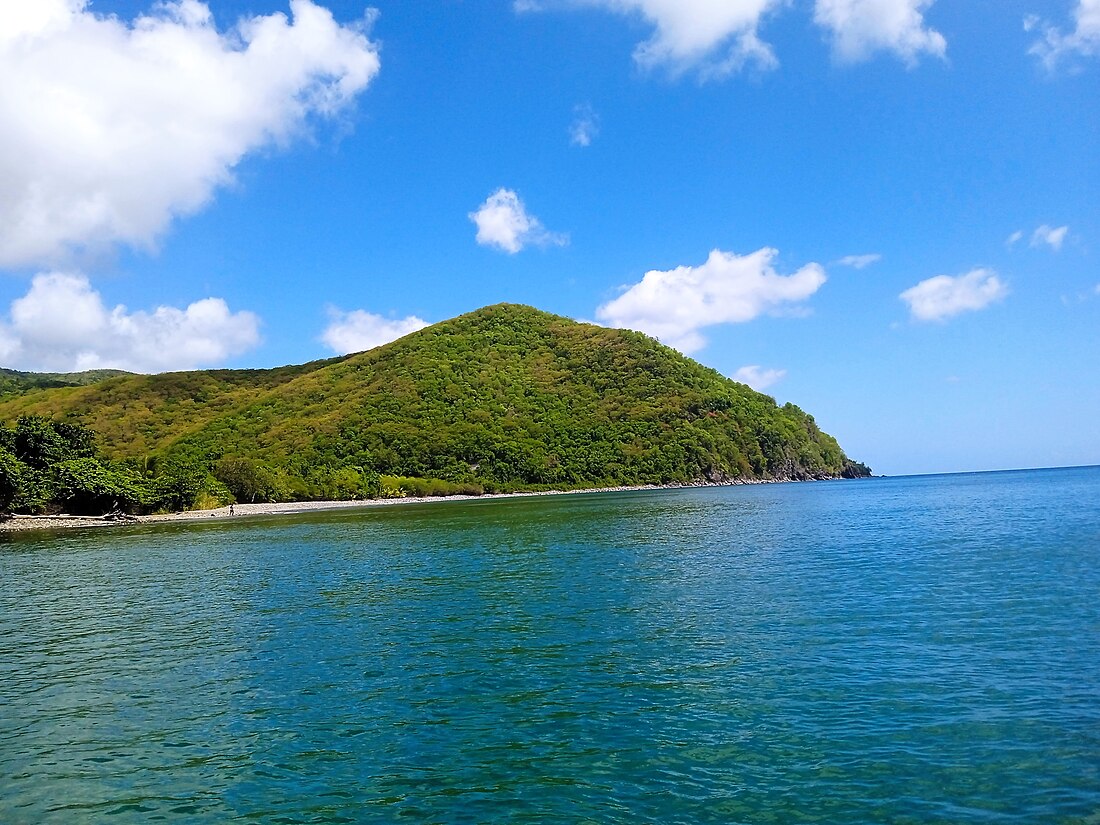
12	471
87	487
248	480
41	443
177	485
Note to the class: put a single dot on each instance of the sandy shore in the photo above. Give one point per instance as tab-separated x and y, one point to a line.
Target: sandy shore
64	522
19	523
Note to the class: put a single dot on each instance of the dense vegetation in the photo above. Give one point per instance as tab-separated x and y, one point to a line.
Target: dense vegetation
14	382
50	465
504	398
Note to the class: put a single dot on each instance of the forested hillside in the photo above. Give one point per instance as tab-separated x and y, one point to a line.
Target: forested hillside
14	382
503	398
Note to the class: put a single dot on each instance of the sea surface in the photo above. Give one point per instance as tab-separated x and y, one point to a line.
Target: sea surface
904	650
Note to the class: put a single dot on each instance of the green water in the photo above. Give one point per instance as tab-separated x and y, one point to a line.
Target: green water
897	651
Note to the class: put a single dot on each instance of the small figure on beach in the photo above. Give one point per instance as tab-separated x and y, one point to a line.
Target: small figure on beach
230	509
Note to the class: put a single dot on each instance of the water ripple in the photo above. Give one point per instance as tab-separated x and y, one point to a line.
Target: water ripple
904	651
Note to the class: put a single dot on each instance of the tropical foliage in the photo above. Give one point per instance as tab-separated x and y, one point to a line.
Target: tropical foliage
52	466
504	398
14	382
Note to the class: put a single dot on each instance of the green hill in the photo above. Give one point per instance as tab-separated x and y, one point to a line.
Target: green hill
139	415
503	398
14	382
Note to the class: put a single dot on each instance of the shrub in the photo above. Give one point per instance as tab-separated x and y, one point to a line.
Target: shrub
429	487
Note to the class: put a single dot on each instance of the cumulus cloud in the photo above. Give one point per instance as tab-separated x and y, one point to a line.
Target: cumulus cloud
715	36
942	297
62	325
759	378
1049	236
860	261
110	129
1055	46
859	28
585	126
359	330
503	223
727	289
1014	238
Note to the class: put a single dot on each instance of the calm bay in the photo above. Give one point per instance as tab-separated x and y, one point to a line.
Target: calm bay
904	650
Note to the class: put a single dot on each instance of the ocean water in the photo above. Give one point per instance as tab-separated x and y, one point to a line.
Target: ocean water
906	650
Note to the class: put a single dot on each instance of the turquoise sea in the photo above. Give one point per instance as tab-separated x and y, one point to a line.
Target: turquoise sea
905	650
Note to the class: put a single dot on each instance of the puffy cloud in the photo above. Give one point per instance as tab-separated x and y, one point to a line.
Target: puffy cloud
860	261
109	129
585	126
941	297
759	378
359	330
1049	236
717	36
62	325
502	222
859	28
1014	238
728	288
1055	46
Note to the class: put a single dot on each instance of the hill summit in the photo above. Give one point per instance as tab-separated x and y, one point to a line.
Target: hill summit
506	397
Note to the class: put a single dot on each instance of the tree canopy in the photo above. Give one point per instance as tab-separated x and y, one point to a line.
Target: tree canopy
504	398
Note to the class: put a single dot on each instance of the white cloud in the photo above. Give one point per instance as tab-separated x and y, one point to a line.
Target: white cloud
109	129
358	330
62	324
716	36
1055	46
1014	238
759	378
728	288
860	261
503	222
941	297
1050	236
859	28
585	126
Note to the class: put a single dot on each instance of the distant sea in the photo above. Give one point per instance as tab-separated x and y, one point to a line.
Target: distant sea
902	650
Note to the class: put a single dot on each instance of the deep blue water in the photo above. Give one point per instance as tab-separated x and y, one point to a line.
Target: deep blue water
906	650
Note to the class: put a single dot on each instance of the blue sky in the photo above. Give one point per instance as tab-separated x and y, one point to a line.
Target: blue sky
190	190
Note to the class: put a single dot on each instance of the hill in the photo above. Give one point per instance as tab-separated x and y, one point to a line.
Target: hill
140	415
14	382
506	397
